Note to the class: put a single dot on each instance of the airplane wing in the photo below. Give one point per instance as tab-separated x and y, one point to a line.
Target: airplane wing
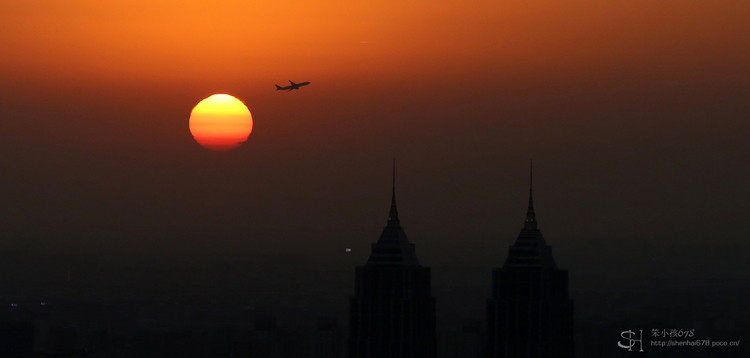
293	84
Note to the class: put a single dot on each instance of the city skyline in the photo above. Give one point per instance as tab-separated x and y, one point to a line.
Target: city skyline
184	296
635	114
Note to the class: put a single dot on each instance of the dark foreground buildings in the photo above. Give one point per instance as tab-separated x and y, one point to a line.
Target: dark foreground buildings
530	314
392	312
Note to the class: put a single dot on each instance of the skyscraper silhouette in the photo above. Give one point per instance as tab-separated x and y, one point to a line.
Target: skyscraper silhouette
530	314
392	312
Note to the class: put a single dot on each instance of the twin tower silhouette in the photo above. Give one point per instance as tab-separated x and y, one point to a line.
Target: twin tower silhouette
392	312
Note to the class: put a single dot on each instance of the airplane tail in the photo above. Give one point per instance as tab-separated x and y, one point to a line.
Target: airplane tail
278	87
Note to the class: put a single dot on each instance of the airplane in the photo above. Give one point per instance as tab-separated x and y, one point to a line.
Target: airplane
294	86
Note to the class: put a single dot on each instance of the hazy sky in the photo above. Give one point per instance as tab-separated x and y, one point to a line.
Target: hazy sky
635	113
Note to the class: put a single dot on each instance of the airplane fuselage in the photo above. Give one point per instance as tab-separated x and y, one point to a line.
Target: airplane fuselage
293	86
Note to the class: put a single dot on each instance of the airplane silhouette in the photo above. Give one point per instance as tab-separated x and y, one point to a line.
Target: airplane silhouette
294	86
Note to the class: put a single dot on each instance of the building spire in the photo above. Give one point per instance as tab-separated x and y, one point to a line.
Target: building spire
393	221
530	222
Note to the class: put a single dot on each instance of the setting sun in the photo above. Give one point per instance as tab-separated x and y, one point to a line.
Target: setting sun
221	122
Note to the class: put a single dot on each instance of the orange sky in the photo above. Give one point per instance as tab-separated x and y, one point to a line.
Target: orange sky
636	114
265	40
625	104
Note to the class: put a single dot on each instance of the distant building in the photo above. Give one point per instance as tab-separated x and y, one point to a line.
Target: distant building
16	339
392	312
530	314
328	339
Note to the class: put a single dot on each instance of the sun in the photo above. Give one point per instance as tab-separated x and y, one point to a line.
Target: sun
220	122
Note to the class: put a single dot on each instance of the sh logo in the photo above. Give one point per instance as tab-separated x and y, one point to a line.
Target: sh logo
629	337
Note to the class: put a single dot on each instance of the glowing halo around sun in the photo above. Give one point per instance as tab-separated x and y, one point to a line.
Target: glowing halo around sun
220	122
